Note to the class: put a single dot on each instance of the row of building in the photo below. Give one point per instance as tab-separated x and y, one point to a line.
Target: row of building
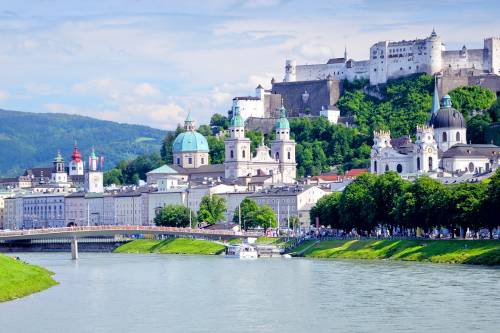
75	195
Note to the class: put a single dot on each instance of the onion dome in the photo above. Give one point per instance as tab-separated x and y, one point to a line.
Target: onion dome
58	158
236	120
76	156
282	122
447	116
190	140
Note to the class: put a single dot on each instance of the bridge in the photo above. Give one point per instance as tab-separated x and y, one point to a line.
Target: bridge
74	233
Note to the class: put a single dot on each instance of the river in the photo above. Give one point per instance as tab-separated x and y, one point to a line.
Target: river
170	293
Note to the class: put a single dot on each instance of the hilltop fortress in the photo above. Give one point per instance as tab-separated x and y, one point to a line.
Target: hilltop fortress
391	60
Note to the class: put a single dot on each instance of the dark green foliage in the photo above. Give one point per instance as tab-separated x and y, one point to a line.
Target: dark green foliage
248	208
217	150
476	128
388	200
174	216
219	120
472	98
212	208
166	148
406	103
265	217
32	139
130	172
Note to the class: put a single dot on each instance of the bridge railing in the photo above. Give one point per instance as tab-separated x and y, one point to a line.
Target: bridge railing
122	229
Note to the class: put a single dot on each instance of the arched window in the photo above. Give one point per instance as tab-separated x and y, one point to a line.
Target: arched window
458	136
178	161
445	137
232	154
243	154
418	163
277	156
375	166
203	160
399	168
289	155
190	160
430	162
471	167
386	168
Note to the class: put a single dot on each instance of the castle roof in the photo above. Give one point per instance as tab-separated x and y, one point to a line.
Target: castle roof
475	150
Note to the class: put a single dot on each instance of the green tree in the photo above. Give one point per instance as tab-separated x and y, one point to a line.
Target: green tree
219	121
166	148
265	217
248	209
174	216
327	210
476	128
217	150
466	201
472	98
212	208
388	188
356	204
490	209
113	176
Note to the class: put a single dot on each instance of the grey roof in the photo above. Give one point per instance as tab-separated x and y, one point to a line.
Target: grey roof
447	117
211	168
246	98
475	150
336	61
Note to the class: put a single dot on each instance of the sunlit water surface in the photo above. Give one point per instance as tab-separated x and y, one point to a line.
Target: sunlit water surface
168	293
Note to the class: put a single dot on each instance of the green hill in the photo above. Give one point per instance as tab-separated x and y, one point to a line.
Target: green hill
32	139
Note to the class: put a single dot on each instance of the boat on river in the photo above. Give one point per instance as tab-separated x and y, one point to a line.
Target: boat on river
243	251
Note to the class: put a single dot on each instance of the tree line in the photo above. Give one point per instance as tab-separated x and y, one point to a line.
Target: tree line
212	210
389	201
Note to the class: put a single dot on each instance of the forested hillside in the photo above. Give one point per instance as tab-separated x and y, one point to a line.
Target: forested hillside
33	139
321	146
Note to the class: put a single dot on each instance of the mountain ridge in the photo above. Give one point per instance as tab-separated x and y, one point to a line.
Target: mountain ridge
31	139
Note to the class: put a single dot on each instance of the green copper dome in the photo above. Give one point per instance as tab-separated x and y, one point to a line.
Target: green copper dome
190	141
236	120
282	122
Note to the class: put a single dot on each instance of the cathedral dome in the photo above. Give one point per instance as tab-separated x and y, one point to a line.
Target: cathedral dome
190	141
447	116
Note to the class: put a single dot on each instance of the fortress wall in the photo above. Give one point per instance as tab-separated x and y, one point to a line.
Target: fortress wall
322	93
320	71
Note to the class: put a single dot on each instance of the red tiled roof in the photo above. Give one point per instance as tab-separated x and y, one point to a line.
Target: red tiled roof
353	173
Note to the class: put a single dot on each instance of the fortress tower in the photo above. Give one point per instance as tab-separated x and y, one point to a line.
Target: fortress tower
290	71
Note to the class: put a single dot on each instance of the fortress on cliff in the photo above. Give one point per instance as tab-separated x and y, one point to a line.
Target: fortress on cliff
391	60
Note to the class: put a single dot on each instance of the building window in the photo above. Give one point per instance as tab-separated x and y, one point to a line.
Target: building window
243	153
430	163
418	163
375	166
190	160
471	167
458	136
386	168
289	155
399	168
232	154
277	156
202	160
445	137
178	161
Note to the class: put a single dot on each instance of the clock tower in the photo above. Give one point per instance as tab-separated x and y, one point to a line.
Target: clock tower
94	175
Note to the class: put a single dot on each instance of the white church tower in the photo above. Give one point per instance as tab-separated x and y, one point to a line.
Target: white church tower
237	148
59	175
76	164
283	149
426	157
94	182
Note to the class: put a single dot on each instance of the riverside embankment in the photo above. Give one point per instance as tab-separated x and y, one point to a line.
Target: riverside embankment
171	246
479	252
18	279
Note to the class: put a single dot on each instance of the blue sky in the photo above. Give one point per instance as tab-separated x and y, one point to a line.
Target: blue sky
149	62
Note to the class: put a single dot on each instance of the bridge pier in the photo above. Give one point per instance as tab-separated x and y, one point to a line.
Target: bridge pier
74	248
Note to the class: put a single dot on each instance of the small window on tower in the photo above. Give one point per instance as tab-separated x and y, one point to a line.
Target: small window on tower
289	155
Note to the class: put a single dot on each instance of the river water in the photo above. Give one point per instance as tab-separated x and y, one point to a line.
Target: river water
169	293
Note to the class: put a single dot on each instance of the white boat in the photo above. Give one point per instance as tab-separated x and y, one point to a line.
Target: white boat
244	251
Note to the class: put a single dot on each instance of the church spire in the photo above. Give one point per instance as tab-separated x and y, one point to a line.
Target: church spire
435	97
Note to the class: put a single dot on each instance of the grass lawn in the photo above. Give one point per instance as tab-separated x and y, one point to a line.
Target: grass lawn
18	279
481	252
171	246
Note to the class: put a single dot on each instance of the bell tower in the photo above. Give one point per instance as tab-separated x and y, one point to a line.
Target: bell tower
237	148
283	149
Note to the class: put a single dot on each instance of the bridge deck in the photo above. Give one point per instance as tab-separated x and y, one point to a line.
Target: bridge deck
89	231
